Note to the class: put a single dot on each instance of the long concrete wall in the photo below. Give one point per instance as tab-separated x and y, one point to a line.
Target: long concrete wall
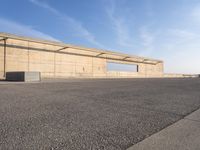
27	55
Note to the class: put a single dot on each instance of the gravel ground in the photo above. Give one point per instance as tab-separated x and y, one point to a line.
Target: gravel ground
91	114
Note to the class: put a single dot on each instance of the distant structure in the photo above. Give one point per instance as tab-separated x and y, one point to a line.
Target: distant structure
59	60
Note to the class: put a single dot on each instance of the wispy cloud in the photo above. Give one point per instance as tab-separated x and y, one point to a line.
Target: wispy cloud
147	40
128	36
21	29
45	5
180	50
183	35
182	60
119	25
195	13
76	26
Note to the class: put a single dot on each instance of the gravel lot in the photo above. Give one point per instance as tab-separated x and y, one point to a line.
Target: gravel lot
91	114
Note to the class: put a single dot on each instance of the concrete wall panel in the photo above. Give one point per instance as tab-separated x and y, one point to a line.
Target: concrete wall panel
1	60
16	59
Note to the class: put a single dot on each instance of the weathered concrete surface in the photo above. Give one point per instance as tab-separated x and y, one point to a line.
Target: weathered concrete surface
183	135
100	114
194	116
59	60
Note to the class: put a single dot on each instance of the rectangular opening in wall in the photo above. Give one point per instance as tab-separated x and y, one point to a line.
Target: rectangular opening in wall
111	66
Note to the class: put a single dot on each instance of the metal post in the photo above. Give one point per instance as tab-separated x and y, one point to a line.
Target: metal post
137	69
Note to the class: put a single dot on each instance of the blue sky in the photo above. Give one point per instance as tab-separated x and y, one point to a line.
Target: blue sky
162	29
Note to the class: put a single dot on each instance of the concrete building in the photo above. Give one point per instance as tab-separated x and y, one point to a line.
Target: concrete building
59	60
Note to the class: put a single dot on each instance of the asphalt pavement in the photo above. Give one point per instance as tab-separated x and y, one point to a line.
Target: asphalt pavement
91	114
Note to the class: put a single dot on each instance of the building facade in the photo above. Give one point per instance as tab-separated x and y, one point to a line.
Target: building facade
59	60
